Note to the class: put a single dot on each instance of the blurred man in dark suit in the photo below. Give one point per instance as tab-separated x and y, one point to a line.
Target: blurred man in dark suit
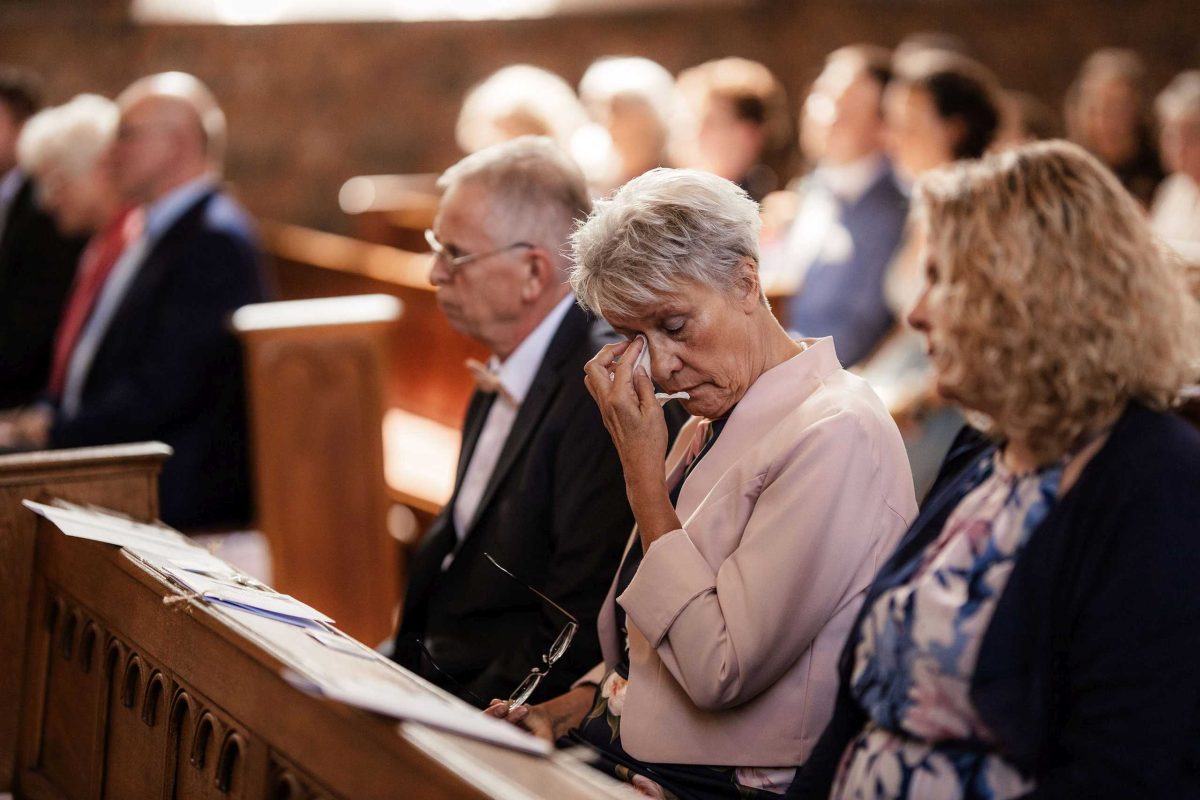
37	263
155	358
539	485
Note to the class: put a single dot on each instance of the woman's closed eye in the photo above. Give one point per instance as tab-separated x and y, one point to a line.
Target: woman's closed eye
674	325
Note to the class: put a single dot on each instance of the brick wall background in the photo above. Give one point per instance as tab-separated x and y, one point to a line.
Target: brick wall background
311	105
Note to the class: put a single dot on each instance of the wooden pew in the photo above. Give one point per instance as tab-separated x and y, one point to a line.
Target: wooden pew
123	695
316	374
426	375
391	209
123	478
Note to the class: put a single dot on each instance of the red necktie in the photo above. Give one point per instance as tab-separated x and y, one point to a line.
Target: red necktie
98	260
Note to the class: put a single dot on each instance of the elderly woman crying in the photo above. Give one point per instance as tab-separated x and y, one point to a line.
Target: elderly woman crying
754	544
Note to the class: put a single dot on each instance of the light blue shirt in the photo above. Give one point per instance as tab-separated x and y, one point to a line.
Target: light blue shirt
159	217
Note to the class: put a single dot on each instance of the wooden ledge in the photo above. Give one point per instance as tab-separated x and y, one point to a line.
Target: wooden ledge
83	457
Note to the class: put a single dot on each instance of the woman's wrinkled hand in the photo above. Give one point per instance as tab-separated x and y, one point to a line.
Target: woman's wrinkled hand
631	413
529	718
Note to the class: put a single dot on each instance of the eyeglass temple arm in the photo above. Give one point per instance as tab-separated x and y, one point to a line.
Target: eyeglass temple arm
550	602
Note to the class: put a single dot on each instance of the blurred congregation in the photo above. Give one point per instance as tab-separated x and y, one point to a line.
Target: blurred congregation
819	429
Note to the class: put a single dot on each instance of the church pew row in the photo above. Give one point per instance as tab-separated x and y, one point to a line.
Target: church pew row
112	692
316	373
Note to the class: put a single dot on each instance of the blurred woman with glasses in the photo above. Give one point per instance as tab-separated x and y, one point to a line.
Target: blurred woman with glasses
65	149
755	542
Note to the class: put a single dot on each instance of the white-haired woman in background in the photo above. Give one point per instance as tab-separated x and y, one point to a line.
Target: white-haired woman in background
1175	215
631	101
754	545
65	149
518	100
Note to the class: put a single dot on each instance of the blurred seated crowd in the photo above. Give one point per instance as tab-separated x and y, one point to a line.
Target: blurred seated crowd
924	529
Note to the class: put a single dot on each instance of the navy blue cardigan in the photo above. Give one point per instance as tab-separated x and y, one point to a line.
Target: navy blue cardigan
1089	672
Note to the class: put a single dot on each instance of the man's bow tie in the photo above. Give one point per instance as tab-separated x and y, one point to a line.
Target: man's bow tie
487	381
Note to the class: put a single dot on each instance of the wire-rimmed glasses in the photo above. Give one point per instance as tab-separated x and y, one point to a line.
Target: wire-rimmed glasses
457	262
528	686
531	682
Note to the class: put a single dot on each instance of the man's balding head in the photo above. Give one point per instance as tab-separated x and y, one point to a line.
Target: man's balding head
171	131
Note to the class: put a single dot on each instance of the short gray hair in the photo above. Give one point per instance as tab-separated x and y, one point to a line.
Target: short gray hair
70	137
1181	98
535	187
631	78
529	98
663	229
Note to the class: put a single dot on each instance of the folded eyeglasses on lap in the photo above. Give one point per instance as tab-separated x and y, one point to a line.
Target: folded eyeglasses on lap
556	651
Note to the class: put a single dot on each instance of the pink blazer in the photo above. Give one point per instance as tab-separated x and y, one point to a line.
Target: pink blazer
736	620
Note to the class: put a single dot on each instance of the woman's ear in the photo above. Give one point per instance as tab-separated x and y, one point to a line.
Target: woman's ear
747	288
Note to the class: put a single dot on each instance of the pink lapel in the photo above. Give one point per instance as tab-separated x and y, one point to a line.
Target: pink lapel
776	393
606	623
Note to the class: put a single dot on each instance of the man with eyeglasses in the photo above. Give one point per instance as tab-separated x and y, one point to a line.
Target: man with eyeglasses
539	485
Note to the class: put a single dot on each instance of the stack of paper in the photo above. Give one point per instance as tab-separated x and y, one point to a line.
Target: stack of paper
180	560
86	523
395	700
246	594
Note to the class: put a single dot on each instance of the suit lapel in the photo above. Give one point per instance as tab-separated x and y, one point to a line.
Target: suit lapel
477	413
544	389
440	539
160	254
606	623
775	394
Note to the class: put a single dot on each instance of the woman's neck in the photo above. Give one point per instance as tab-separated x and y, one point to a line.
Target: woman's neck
778	347
1019	457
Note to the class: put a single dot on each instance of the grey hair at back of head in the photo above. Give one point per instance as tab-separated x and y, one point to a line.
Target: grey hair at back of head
660	231
631	78
1181	98
70	137
538	192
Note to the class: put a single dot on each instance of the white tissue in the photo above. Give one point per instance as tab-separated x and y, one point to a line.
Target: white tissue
663	398
643	361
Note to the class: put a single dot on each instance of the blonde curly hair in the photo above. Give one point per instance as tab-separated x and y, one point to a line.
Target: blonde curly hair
1058	304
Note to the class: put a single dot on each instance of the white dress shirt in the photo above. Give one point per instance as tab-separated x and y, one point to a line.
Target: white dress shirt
516	375
816	231
160	216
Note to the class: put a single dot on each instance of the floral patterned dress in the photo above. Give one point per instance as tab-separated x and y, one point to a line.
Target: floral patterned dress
601	729
920	643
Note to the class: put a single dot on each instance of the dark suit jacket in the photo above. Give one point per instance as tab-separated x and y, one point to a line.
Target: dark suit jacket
169	367
554	513
37	265
1087	673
